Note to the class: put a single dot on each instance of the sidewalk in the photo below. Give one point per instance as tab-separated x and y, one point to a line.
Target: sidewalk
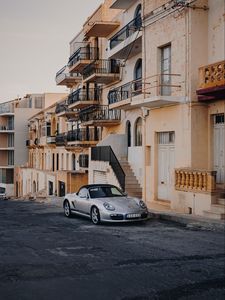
164	212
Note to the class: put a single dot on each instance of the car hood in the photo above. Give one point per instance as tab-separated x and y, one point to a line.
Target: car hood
121	203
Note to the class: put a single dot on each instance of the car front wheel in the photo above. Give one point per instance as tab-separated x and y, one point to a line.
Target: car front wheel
95	215
67	210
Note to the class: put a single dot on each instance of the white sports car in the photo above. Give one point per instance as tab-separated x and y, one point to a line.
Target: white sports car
104	203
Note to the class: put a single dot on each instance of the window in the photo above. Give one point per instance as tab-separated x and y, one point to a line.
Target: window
73	162
138	132
138	77
137	16
128	130
166	137
166	70
10	158
10	140
83	193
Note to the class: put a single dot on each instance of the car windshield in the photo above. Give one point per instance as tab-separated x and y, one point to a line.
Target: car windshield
104	191
2	190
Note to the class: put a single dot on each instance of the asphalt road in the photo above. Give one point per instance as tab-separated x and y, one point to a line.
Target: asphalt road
44	255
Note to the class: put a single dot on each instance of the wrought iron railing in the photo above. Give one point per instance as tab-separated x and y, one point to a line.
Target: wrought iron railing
125	91
125	32
100	112
84	134
6	128
83	53
64	73
85	95
60	139
105	153
102	66
61	107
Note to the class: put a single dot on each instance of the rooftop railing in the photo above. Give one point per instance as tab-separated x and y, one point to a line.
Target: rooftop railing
132	27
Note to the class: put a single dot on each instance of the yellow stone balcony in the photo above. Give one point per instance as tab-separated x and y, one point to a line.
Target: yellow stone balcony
197	181
212	82
100	23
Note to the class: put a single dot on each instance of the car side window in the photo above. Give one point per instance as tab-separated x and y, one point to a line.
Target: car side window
83	193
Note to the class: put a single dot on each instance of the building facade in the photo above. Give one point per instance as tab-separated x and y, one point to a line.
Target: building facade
146	103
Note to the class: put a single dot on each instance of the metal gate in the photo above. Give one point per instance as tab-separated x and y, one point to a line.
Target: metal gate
100	177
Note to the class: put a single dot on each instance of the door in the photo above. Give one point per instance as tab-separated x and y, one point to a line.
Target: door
219	145
61	189
166	70
166	162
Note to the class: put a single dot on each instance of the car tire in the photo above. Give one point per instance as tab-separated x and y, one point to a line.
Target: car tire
67	210
95	215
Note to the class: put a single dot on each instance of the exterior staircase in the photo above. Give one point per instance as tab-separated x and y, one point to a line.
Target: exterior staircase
217	210
132	186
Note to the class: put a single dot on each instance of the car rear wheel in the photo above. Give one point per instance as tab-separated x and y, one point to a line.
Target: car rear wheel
95	215
67	210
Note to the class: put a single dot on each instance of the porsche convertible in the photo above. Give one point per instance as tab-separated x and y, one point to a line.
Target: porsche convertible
104	203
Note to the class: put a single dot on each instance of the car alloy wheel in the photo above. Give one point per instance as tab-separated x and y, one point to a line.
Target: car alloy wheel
95	215
67	210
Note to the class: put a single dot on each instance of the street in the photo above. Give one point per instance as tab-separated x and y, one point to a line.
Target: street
44	255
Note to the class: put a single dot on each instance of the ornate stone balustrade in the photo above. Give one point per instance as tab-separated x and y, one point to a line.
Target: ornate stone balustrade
212	75
198	181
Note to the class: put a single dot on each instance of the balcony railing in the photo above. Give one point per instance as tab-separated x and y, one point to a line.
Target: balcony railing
50	139
212	75
126	32
125	91
99	113
81	94
60	139
105	153
6	128
101	68
201	181
64	77
84	135
83	53
61	107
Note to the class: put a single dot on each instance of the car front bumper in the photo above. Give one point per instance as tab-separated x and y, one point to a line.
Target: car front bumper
114	217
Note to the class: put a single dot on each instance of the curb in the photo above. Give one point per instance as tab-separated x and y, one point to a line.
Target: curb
191	222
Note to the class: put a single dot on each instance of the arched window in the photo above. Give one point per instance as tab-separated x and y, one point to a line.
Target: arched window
128	131
138	76
137	16
138	132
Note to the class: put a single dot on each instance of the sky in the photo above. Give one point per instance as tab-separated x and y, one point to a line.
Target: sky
34	42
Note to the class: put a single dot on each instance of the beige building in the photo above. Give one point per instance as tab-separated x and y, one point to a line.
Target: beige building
146	103
13	133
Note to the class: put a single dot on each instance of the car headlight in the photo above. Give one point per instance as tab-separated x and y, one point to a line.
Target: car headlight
108	206
142	204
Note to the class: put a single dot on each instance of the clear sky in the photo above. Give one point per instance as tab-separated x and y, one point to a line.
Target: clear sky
34	42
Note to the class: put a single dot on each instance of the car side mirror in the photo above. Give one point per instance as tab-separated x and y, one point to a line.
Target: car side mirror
125	194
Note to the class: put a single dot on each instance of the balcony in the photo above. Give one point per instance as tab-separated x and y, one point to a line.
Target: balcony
100	116
62	110
196	181
158	91
30	143
6	129
121	96
100	24
60	139
127	40
84	136
212	82
122	4
63	77
50	140
6	109
82	58
102	71
84	97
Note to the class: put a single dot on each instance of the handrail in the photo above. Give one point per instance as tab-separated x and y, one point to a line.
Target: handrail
132	27
102	66
105	153
82	94
99	112
83	53
83	134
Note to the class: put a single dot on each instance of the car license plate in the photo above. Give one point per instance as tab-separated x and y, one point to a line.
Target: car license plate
133	216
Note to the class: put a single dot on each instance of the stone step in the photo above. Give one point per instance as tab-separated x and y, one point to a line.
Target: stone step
214	215
218	208
221	201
